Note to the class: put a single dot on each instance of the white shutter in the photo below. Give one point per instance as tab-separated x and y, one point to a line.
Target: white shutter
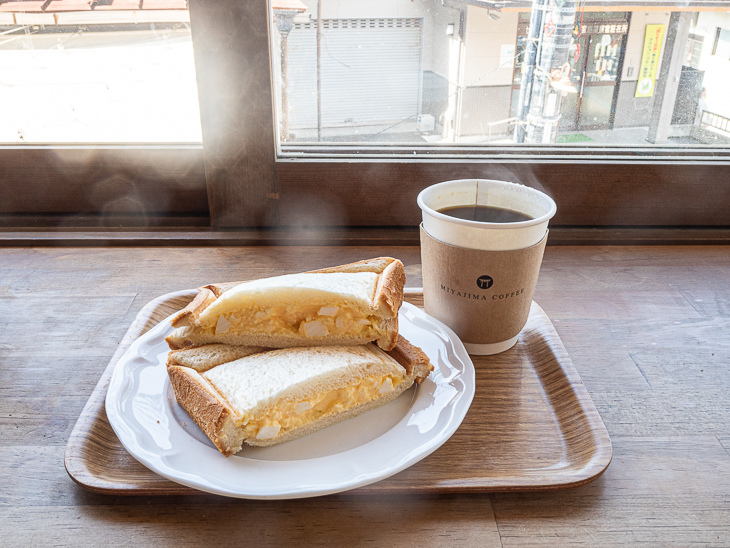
371	72
302	63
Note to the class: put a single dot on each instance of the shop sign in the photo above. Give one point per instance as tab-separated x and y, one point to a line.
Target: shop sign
650	60
606	29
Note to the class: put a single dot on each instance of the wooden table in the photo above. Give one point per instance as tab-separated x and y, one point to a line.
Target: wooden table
648	329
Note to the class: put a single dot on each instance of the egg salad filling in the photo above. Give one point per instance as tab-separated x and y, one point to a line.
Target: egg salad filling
294	414
309	321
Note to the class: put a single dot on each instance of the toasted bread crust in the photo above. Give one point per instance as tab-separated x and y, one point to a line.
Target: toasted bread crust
390	337
215	417
206	407
190	313
386	302
413	359
389	294
376	265
178	343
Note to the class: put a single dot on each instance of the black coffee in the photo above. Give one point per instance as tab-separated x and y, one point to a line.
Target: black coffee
485	214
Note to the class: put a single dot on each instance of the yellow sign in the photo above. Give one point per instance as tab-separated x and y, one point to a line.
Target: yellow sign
650	60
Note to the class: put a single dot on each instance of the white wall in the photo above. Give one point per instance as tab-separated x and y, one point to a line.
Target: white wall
635	40
716	67
436	41
484	40
707	22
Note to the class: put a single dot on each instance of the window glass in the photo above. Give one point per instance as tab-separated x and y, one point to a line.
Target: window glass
432	73
111	71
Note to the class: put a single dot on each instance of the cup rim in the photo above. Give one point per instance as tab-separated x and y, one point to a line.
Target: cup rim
482	224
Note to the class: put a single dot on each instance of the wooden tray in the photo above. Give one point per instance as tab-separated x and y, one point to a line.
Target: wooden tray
531	426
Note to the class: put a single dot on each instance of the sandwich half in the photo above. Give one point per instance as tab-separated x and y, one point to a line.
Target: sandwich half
270	397
351	304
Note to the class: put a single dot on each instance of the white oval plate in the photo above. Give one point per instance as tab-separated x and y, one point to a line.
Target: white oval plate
153	428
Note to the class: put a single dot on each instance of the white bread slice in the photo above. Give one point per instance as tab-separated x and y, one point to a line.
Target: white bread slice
202	358
347	305
276	396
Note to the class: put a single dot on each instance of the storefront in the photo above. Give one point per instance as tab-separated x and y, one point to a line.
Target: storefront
596	62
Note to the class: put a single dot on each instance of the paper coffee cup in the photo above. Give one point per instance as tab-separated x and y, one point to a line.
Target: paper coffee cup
479	277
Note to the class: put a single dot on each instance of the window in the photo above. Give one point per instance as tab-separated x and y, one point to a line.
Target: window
259	172
693	51
614	125
434	73
100	113
108	82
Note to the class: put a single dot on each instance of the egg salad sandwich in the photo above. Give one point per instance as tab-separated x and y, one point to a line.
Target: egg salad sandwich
264	397
352	304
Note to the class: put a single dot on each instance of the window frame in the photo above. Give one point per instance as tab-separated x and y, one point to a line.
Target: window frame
240	179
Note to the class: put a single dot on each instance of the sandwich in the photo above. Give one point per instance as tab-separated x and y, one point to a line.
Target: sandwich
268	397
353	304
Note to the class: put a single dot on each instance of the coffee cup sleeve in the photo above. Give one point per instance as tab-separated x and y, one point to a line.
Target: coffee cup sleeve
484	296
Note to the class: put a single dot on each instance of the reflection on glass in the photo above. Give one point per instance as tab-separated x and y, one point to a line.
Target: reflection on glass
596	105
569	111
515	99
519	59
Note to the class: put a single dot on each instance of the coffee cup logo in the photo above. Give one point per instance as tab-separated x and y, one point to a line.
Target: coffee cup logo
484	282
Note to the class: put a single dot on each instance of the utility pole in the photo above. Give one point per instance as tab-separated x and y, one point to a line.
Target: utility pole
455	79
284	24
545	66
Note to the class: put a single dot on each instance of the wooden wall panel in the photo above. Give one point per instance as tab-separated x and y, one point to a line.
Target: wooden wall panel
103	180
588	194
233	67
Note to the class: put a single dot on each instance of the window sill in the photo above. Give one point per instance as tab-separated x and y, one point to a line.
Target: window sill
398	236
